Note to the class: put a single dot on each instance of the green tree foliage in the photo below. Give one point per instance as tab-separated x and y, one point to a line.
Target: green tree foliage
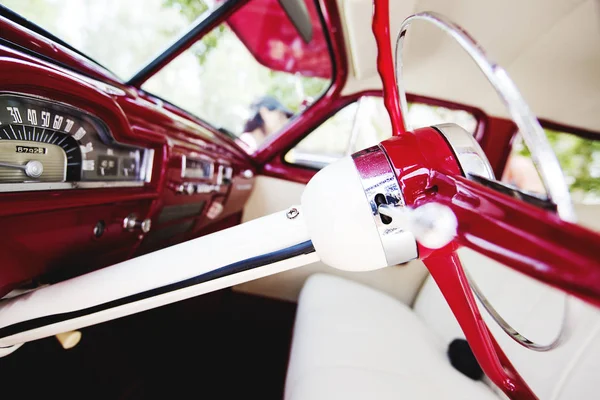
113	32
580	162
292	90
579	159
191	9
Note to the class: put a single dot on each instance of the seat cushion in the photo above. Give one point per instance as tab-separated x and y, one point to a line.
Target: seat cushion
352	342
536	311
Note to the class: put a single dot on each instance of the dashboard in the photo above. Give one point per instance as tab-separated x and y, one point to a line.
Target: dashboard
93	172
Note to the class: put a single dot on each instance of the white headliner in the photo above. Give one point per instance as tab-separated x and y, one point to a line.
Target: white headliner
551	49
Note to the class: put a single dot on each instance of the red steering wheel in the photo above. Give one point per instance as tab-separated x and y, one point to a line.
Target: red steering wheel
438	165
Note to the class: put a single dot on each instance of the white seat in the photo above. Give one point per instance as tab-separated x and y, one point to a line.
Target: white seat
353	342
535	310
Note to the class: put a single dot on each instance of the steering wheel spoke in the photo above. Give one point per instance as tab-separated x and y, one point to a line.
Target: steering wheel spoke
446	269
541	244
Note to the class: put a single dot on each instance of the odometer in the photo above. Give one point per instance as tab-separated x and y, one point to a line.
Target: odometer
43	141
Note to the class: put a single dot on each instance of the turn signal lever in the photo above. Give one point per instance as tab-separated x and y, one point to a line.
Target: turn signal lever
355	214
433	225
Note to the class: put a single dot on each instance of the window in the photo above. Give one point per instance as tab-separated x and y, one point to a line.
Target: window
579	159
363	124
226	81
114	32
248	77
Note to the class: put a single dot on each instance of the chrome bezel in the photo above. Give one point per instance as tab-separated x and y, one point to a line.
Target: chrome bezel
220	174
188	172
377	177
148	165
471	158
105	135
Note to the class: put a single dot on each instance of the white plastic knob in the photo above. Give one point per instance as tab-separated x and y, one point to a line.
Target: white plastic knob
70	339
434	225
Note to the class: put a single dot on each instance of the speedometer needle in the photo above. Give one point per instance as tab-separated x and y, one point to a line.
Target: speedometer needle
33	168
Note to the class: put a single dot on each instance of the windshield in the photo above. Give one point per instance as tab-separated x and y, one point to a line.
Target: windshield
121	35
250	79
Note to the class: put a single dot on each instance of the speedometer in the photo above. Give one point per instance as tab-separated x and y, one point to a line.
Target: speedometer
49	145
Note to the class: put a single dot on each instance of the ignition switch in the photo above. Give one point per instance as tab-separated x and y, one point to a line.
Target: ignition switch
379	200
99	229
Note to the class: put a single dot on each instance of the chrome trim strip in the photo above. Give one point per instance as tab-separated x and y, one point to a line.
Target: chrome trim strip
355	127
103	86
377	178
35	186
541	153
148	165
107	184
563	334
183	166
212	170
220	174
470	155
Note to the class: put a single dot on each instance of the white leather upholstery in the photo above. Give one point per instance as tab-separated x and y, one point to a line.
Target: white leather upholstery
568	372
353	342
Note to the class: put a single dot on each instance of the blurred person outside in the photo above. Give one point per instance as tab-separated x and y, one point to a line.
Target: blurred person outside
268	116
521	172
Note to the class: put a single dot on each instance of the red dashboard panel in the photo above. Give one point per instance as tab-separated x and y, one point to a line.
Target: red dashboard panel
52	234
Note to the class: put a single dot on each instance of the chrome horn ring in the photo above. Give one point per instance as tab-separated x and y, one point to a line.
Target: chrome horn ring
542	154
543	157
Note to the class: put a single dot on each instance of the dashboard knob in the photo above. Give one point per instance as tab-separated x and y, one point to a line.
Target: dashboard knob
248	174
131	223
189	188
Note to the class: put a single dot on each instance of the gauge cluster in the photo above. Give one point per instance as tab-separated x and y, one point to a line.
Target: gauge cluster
48	145
91	171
